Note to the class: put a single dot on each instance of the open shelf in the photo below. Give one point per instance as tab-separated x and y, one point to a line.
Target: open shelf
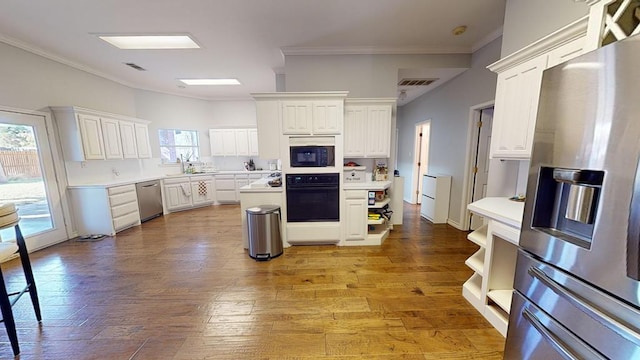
476	261
376	222
497	317
380	204
479	236
378	235
471	290
502	298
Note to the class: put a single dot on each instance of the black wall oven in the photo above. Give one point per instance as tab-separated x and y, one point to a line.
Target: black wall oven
313	197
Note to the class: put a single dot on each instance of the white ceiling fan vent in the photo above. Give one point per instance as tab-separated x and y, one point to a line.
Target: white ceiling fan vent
135	66
416	82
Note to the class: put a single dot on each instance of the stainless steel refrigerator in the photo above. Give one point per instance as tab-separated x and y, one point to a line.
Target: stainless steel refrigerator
578	270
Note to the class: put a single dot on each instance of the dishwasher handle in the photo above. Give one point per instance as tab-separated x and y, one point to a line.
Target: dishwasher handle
150	185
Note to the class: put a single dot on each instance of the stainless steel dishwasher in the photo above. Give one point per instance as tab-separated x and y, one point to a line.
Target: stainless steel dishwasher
149	199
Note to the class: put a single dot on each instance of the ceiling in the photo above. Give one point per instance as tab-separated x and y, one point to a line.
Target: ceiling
242	39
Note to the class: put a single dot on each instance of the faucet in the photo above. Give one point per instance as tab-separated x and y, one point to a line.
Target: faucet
181	164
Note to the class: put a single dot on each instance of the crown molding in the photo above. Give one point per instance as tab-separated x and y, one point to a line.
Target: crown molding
370	50
487	39
552	41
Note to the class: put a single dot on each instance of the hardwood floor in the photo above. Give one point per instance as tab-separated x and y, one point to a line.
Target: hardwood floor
182	287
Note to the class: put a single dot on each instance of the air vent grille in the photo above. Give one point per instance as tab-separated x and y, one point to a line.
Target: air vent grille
416	82
135	66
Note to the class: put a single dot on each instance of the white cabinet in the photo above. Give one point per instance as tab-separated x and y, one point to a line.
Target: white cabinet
518	89
234	142
253	142
367	127
296	117
355	215
202	190
516	107
242	142
490	287
93	135
182	193
611	21
177	193
111	137
435	198
98	210
359	227
225	186
128	140
269	128
142	141
90	136
312	117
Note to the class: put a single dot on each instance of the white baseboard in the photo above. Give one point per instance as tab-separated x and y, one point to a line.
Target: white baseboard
455	224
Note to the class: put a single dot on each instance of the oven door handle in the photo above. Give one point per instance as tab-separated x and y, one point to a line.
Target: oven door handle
587	308
305	188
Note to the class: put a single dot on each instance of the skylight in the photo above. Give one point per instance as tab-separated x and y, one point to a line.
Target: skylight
150	42
210	81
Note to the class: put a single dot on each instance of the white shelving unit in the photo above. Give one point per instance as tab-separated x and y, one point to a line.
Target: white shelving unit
490	288
360	230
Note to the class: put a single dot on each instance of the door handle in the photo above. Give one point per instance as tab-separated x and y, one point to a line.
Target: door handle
587	308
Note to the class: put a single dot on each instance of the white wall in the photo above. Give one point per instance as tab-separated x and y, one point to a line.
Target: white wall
362	75
448	108
526	21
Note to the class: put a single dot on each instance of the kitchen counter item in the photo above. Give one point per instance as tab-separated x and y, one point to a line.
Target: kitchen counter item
149	199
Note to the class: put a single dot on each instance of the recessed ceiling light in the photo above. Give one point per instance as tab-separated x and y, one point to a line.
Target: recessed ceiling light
150	42
210	81
459	30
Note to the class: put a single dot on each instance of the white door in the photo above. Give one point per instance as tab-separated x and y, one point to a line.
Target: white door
27	178
481	171
128	137
112	142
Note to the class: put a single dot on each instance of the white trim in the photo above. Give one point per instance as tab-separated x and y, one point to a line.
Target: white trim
455	225
472	138
554	40
372	50
487	39
315	94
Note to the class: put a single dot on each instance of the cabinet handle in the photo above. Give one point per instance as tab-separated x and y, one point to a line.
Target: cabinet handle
589	309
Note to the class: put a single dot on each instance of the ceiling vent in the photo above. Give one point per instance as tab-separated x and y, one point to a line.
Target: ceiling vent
135	66
416	82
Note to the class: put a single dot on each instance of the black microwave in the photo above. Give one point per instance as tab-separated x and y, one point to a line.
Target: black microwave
312	156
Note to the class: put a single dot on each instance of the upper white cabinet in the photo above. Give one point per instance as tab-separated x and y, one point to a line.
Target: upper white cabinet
93	135
269	127
90	137
234	142
518	88
112	140
367	127
128	138
516	107
142	141
312	117
611	21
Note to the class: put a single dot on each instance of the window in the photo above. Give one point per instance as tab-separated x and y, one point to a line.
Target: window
178	144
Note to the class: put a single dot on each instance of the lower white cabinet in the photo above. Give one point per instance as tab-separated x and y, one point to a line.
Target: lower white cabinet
182	193
226	188
99	210
355	215
358	228
435	198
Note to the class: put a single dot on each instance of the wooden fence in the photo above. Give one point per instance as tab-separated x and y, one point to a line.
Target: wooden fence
19	164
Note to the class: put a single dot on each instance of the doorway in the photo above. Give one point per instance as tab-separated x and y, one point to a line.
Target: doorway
482	122
28	178
421	159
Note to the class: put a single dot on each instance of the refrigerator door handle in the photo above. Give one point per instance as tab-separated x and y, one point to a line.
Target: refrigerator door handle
580	303
557	343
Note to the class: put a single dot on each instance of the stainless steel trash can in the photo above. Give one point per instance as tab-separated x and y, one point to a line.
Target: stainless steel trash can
265	241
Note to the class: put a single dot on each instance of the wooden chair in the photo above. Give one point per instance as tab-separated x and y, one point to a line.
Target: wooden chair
8	219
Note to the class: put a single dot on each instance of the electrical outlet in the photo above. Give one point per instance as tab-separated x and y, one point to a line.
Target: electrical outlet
115	172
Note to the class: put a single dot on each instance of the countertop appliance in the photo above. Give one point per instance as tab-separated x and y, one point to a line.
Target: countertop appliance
149	199
313	197
578	270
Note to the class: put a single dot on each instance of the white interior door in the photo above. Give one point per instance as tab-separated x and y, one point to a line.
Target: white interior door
27	178
482	163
